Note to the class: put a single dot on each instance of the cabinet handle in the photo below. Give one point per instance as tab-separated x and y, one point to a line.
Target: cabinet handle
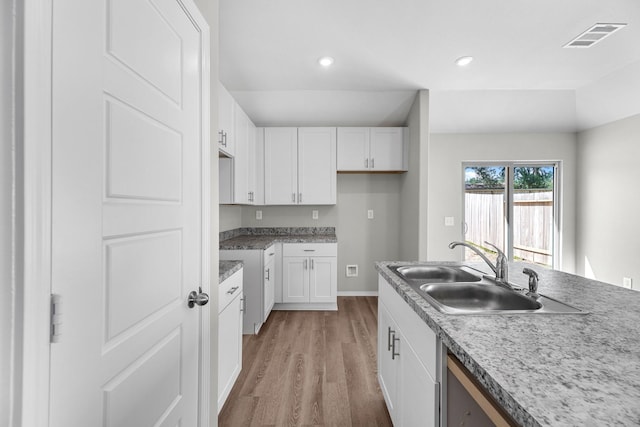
312	264
293	197
299	197
232	290
366	163
393	347
243	306
305	264
389	332
372	163
268	274
309	250
224	139
221	139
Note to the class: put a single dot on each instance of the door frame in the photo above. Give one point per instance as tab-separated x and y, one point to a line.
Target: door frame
33	306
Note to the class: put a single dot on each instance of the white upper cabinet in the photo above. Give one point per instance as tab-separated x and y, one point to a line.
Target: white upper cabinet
300	166
241	160
226	109
280	166
317	166
353	149
376	149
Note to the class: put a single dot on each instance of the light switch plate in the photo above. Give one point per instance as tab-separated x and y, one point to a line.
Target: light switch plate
370	214
258	214
627	282
314	214
448	221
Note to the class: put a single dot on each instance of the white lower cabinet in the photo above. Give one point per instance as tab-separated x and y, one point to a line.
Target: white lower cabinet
408	362
309	275
259	284
229	335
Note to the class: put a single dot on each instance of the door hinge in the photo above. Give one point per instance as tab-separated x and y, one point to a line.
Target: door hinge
56	318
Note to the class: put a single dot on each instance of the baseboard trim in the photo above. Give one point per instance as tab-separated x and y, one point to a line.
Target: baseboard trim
357	293
306	306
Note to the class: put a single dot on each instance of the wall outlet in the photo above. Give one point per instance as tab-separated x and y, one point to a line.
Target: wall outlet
314	214
352	270
370	214
627	282
258	214
448	221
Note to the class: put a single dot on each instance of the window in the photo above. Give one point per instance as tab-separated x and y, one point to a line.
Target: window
515	207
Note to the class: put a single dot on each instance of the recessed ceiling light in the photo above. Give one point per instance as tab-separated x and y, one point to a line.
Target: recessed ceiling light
326	61
463	61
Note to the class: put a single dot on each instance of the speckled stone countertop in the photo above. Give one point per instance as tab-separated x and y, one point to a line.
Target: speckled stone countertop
549	369
262	238
227	268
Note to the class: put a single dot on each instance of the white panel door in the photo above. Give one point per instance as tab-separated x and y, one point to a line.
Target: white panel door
126	210
323	279
280	166
295	279
317	166
353	149
386	149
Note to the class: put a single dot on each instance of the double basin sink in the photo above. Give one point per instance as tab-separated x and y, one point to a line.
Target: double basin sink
465	290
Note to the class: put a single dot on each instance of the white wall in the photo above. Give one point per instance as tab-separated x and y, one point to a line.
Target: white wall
360	241
413	197
7	283
608	234
447	152
230	217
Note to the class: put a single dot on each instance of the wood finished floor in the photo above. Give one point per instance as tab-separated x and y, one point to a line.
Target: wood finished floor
311	368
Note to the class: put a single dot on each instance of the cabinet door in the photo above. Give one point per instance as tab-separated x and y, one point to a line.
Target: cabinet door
269	288
388	367
317	166
419	401
229	349
323	279
387	149
295	279
280	166
226	106
241	163
250	171
353	149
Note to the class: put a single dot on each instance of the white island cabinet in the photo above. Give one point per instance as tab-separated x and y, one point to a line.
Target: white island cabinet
408	362
230	306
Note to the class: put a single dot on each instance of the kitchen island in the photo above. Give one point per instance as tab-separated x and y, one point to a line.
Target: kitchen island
547	369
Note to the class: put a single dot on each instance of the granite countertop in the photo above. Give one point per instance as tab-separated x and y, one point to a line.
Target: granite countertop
549	369
262	238
227	268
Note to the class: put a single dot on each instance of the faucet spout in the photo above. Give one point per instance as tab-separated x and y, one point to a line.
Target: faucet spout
500	269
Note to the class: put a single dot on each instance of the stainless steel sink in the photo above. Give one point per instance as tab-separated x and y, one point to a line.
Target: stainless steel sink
477	297
460	289
437	274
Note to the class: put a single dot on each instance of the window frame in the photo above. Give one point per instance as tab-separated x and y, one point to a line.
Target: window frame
509	166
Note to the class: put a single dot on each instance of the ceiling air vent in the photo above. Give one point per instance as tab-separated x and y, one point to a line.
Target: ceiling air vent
594	34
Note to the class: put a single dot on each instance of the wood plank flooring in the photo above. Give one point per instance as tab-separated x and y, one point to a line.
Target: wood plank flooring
311	368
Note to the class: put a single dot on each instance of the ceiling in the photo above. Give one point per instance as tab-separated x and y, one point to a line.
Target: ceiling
520	80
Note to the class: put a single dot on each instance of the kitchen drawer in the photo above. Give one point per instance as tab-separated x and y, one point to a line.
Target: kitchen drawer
229	289
310	249
269	254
